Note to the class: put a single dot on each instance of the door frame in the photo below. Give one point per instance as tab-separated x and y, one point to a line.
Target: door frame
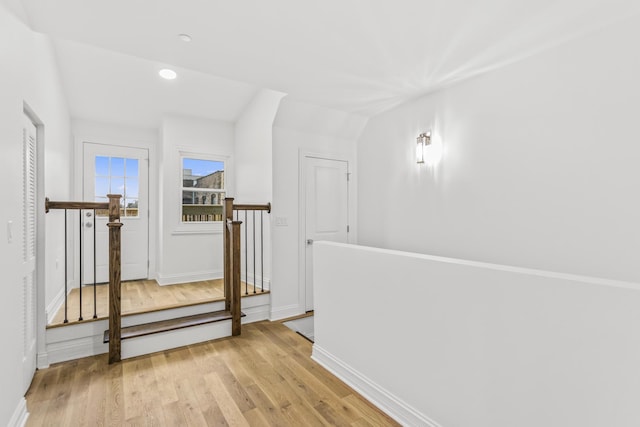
352	236
78	176
41	316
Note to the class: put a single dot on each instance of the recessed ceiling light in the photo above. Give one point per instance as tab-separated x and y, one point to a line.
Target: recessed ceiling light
184	37
168	74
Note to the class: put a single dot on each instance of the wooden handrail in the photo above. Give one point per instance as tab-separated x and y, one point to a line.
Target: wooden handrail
115	262
48	205
248	207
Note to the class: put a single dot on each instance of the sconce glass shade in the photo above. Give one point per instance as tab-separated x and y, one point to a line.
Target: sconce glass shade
423	140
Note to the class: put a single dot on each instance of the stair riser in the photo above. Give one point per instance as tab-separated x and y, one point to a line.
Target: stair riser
178	338
173	313
85	339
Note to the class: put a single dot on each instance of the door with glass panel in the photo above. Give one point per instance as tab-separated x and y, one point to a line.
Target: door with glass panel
120	170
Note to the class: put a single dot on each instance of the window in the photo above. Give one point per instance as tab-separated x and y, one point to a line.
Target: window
117	175
203	189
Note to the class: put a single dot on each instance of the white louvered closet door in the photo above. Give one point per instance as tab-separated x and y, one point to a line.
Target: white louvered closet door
29	251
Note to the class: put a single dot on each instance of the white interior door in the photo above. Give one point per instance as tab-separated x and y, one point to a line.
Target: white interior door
326	209
120	170
29	250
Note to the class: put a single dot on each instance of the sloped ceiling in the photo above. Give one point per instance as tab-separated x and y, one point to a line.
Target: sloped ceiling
107	86
358	56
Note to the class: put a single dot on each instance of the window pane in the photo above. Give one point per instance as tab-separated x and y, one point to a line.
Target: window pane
202	173
131	188
117	186
102	166
102	187
117	175
131	207
132	167
200	206
216	198
117	166
102	212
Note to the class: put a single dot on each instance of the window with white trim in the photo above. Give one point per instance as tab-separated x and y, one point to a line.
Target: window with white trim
203	189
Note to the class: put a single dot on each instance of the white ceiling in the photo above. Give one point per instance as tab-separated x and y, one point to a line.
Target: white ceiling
112	87
358	56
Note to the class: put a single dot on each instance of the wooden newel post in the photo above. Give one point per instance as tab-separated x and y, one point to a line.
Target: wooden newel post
228	216
114	225
235	282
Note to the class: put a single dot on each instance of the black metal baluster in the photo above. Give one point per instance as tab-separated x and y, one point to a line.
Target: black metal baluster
254	252
66	320
261	253
81	262
246	260
95	305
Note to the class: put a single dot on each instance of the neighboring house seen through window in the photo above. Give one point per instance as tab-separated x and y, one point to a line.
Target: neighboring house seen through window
203	189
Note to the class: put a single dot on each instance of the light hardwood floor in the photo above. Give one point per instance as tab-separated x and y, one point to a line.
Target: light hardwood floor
140	296
264	377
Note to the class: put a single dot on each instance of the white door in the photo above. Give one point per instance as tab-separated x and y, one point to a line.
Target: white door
112	169
326	209
29	250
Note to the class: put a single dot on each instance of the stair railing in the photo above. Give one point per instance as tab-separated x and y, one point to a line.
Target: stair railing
233	254
114	224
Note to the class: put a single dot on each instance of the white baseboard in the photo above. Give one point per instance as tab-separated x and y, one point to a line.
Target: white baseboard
255	314
172	279
20	415
42	360
55	304
387	402
76	349
278	313
259	282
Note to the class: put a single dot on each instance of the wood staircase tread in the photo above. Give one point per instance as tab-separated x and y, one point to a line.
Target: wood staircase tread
171	324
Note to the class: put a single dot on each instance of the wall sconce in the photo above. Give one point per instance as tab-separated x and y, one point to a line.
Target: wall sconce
424	139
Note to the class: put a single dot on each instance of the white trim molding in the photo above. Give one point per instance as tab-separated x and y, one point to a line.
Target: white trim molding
266	282
278	313
172	279
55	304
20	415
42	360
381	398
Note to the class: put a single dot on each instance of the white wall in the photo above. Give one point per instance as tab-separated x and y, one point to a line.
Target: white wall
540	165
189	251
303	128
28	74
253	175
439	341
254	147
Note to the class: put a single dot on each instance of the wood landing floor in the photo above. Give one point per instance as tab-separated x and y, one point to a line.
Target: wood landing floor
265	377
142	296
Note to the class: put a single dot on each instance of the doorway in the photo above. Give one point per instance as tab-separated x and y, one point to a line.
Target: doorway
30	248
326	209
109	169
